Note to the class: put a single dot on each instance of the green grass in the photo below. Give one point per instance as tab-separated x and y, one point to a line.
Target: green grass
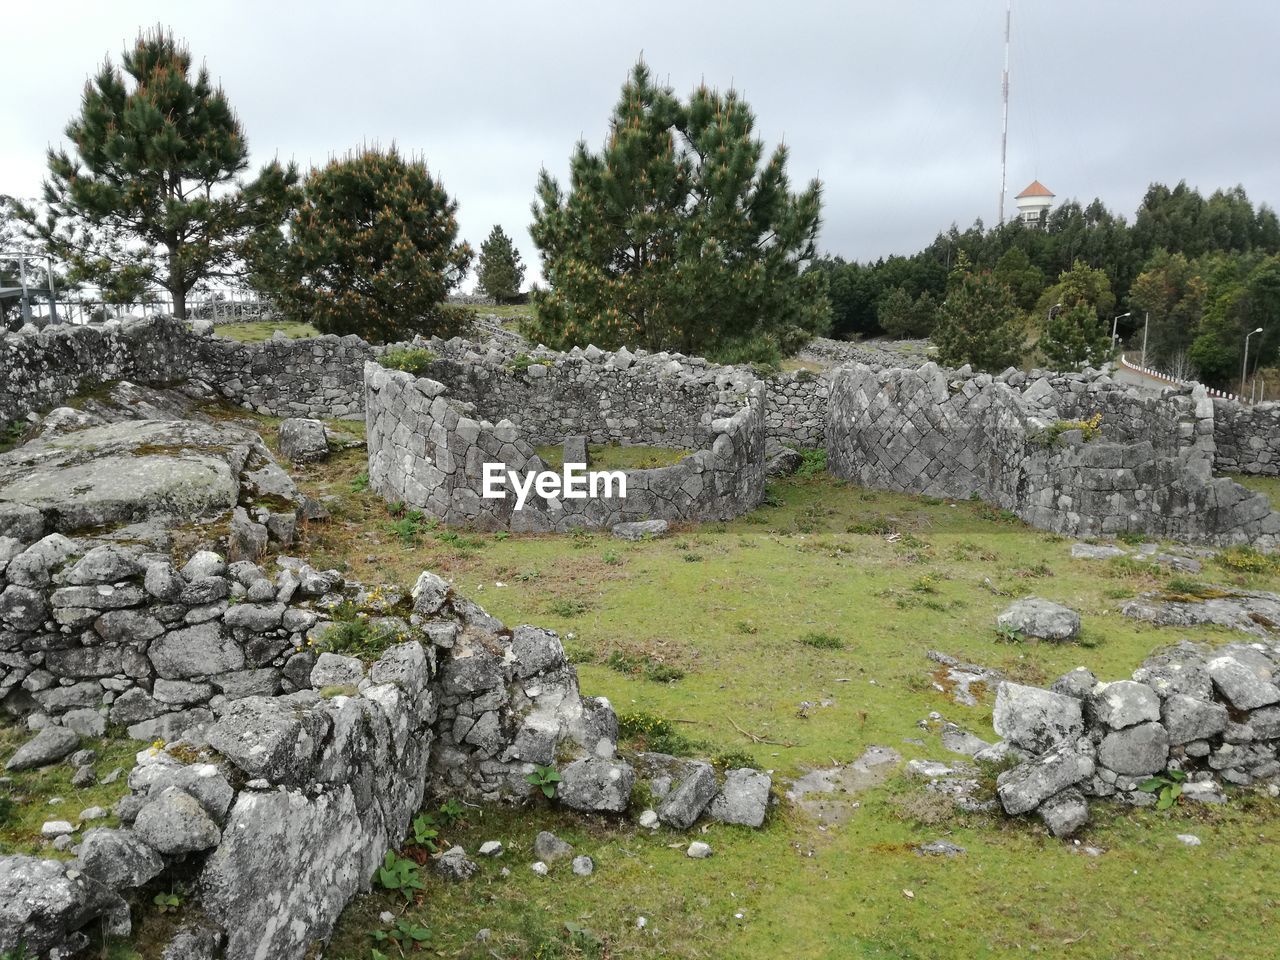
1268	485
261	330
616	457
506	310
32	790
731	624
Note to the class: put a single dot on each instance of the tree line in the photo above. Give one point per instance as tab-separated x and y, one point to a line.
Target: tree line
1193	275
682	232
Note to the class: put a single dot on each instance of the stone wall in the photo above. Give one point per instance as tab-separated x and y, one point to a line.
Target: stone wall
958	435
428	437
795	409
1212	714
42	369
317	376
312	377
289	769
1247	438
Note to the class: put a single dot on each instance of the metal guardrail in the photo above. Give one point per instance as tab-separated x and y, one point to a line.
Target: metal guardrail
1175	381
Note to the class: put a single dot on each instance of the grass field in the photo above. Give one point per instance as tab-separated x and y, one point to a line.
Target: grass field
258	331
613	456
724	607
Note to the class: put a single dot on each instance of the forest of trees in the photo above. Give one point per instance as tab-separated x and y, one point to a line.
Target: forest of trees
1205	270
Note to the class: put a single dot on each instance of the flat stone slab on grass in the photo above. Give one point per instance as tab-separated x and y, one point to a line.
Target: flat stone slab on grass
641	530
1040	618
1249	611
1096	551
826	793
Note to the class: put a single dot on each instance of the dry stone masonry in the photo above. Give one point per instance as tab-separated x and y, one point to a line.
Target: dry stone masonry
429	437
1192	715
961	435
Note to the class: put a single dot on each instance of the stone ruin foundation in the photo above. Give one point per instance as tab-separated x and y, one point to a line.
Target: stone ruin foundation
429	436
960	435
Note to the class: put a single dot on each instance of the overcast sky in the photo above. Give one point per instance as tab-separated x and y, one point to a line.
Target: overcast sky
895	106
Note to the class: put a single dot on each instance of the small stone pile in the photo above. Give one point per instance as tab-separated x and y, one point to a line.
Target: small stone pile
1210	714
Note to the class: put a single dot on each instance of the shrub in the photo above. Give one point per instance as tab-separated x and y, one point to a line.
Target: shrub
812	463
413	360
654	733
1091	429
358	638
636	665
822	641
1247	560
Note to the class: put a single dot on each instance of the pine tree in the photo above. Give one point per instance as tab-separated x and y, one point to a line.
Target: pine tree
1078	310
1074	337
371	249
678	234
978	323
151	197
500	269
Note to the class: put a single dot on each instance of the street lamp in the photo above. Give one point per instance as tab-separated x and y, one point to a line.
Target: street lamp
1114	323
1244	369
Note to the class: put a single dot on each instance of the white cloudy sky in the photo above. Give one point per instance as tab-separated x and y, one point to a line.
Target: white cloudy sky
895	105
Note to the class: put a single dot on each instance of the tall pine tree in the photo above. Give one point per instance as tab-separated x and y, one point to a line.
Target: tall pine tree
500	269
371	248
979	322
151	196
679	234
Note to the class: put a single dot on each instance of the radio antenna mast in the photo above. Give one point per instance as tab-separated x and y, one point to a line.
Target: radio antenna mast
1004	126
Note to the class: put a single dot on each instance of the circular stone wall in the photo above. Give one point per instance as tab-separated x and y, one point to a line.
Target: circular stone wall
429	437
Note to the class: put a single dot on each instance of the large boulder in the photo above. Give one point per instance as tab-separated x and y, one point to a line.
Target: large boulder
175	823
596	785
35	566
686	801
1065	813
302	440
269	739
1030	784
1035	719
1123	703
46	904
198	651
129	471
48	746
118	858
1044	619
743	799
287	866
1135	751
1243	685
1186	718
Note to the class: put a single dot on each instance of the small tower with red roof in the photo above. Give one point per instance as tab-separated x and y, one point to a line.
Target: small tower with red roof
1034	203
